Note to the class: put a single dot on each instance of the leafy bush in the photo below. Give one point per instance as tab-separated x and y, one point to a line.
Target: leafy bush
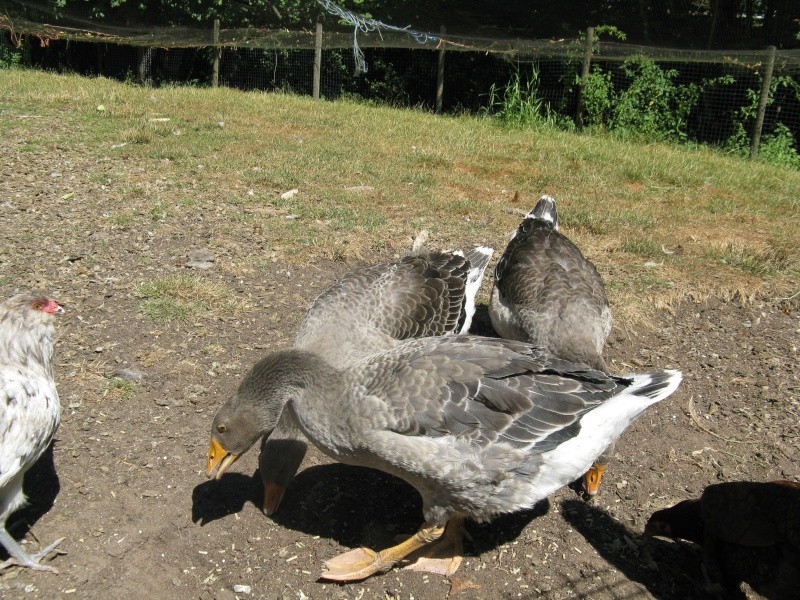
9	56
599	98
386	84
778	147
653	107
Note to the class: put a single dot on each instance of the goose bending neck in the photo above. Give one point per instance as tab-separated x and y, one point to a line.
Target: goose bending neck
316	405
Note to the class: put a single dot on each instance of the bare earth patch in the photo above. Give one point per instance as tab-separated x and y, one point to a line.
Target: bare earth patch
125	485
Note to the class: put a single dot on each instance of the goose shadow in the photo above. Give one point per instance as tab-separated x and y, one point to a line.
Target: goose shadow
355	506
218	498
41	486
668	570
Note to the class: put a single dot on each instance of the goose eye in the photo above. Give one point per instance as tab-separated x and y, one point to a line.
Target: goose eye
221	428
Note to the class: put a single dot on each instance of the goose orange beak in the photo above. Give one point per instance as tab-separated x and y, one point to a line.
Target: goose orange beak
218	460
592	479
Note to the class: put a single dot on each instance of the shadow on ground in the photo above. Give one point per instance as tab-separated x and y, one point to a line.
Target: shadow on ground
41	487
354	506
215	499
666	569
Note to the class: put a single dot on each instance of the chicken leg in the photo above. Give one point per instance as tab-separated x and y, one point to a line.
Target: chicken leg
22	558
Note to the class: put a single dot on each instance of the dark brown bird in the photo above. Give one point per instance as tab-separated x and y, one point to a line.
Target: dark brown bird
749	531
29	407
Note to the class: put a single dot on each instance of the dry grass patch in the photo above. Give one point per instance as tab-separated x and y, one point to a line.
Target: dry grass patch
179	297
216	168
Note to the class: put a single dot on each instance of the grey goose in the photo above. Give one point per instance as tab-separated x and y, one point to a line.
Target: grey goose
479	426
369	310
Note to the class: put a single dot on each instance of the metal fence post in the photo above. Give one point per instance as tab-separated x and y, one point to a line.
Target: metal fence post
317	60
440	74
762	103
217	53
587	61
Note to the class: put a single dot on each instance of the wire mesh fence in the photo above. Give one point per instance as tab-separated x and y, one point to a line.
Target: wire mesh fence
714	97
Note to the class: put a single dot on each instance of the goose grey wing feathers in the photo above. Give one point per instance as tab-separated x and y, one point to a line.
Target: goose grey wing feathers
369	309
484	390
548	293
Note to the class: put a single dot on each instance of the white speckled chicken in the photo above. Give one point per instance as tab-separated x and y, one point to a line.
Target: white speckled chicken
29	407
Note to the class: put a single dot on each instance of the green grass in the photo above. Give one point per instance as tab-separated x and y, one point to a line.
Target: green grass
121	389
642	247
762	262
180	297
721	225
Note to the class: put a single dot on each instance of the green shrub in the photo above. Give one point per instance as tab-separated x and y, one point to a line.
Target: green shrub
598	98
9	56
777	147
653	107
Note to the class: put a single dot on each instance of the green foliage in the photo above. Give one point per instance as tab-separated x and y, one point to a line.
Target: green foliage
778	147
386	85
598	98
650	106
653	107
9	57
598	93
608	30
518	103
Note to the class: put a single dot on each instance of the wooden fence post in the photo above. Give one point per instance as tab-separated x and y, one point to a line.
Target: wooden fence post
762	103
317	60
440	74
217	53
587	61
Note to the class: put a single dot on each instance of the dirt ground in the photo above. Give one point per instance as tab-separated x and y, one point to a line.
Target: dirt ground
124	485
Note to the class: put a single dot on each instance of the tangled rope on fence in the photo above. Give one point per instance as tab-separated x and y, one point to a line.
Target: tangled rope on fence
365	25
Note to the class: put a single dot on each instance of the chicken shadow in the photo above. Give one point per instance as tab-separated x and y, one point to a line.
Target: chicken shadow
355	506
41	486
668	570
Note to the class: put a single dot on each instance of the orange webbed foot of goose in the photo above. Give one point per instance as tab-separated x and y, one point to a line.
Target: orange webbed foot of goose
444	556
362	562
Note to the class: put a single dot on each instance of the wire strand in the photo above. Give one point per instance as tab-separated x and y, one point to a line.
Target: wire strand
366	25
